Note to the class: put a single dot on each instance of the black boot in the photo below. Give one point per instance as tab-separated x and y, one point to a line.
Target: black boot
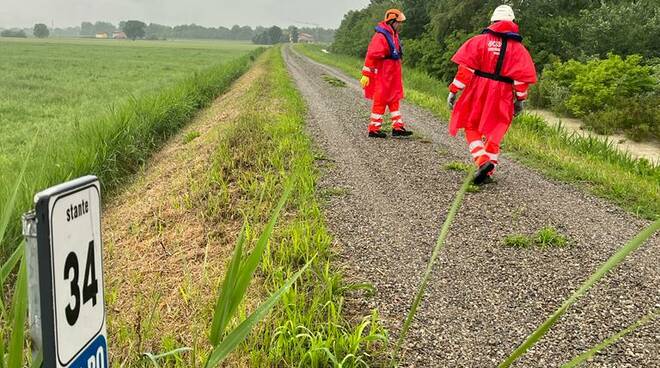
401	132
377	134
482	173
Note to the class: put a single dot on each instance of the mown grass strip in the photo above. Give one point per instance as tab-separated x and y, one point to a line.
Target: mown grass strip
586	162
611	263
578	360
456	205
117	145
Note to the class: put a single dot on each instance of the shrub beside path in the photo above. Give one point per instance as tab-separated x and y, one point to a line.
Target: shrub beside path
389	200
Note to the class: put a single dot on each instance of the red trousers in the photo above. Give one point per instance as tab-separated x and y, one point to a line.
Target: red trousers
377	112
481	151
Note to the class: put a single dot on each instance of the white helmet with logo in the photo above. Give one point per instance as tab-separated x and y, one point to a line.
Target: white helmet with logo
503	12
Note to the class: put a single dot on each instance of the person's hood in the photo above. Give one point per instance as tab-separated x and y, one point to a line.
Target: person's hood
504	28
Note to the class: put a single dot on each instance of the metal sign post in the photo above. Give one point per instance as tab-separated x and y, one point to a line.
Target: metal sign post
64	250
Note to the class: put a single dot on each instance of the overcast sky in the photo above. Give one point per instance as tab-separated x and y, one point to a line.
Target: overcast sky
326	13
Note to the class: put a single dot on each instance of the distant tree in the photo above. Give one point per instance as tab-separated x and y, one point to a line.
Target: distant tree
269	36
18	33
65	32
235	32
86	29
246	33
134	29
104	27
41	30
294	34
275	34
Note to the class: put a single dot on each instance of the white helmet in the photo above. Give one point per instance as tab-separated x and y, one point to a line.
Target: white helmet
503	12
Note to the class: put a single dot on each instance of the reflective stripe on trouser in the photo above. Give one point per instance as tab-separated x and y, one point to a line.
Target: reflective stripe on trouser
481	153
377	112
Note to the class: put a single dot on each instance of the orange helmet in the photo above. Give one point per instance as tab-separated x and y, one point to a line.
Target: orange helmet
395	14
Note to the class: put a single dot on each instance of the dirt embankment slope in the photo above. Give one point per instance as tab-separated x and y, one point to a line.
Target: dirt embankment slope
163	256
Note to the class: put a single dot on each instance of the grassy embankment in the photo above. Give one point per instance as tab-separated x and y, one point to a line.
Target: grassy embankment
233	171
99	107
588	163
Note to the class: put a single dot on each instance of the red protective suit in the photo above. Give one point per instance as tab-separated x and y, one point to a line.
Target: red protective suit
386	82
486	105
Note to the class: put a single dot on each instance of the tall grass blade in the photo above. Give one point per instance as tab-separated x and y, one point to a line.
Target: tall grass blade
221	351
222	313
617	258
575	362
234	288
38	360
154	358
8	209
429	268
18	316
6	269
240	272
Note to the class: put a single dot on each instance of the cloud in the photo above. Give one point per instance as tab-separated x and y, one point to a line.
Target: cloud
171	12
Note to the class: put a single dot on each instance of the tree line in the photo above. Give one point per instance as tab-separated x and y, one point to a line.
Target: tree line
154	31
554	30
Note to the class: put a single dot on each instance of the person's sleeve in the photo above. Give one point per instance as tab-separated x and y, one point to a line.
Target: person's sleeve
377	50
521	89
462	79
524	74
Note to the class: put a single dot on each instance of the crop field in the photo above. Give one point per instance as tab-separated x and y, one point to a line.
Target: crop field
71	107
62	84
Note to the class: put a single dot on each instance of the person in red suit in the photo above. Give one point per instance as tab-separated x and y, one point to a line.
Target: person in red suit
381	75
494	72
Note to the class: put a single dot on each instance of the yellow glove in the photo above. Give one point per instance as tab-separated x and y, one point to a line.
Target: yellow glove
364	81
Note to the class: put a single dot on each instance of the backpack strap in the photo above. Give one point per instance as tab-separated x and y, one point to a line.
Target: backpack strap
497	75
395	53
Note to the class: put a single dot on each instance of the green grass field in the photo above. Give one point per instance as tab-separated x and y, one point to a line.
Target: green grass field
99	107
59	84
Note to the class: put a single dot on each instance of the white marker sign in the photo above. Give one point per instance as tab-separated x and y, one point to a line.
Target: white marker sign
71	275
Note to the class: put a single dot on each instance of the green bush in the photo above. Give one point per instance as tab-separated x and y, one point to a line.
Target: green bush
604	83
638	118
611	95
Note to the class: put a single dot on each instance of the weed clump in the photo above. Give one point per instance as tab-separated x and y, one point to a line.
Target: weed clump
518	241
547	237
550	237
458	166
335	82
190	136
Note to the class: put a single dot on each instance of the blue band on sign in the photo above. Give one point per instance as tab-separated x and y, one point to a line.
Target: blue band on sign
95	355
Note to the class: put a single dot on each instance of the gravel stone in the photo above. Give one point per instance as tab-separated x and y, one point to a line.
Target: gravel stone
483	299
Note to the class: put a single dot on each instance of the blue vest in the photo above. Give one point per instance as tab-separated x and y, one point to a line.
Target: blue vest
395	54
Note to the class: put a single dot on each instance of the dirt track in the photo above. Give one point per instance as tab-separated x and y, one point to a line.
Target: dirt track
484	298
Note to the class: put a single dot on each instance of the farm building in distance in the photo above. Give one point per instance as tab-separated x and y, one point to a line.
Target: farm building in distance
102	35
119	35
305	38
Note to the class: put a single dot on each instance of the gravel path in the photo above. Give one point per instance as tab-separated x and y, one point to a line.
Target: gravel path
484	298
